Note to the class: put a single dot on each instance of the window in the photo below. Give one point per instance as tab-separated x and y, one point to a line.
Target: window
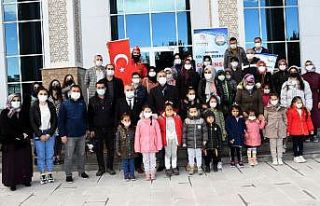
152	23
23	39
277	23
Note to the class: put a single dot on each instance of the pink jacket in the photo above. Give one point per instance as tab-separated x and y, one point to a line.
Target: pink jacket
252	136
148	136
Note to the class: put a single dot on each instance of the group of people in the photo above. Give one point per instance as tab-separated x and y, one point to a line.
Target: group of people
162	109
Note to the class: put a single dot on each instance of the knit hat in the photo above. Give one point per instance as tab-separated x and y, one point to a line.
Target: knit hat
248	79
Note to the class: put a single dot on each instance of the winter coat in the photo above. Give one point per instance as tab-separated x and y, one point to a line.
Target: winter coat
35	118
195	132
226	91
118	88
100	112
241	55
148	135
148	84
313	79
235	129
125	142
214	137
276	121
140	68
202	90
290	90
90	79
278	79
178	126
263	79
122	107
249	100
252	136
299	124
141	94
265	99
219	120
185	106
183	83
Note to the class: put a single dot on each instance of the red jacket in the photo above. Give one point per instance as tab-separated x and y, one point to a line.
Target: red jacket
140	68
299	124
178	123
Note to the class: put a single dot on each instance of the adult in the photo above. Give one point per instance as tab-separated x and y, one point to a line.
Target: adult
248	96
177	65
188	78
206	61
68	82
114	85
94	74
226	90
234	51
251	67
313	78
263	76
281	76
16	147
190	99
137	63
72	125
101	127
258	48
150	81
207	86
296	86
235	67
140	92
43	121
170	77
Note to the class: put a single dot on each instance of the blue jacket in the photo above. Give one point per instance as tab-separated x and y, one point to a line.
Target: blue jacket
235	130
72	118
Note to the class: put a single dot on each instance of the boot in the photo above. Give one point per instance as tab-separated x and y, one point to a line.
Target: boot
147	173
153	175
191	170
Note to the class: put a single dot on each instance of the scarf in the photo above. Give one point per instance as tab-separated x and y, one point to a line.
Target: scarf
12	110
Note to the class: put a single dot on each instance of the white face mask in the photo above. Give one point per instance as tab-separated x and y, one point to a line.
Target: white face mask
282	67
233	46
191	97
110	73
206	63
177	61
213	104
136	80
75	95
162	80
266	91
249	87
16	105
228	76
299	105
207	76
274	102
262	69
252	117
101	92
152	74
309	67
99	63
126	124
43	98
250	56
221	77
130	94
258	45
147	114
234	64
187	66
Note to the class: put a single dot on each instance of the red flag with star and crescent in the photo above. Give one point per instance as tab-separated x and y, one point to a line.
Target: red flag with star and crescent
120	57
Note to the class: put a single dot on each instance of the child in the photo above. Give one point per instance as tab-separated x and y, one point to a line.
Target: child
214	144
171	131
190	100
266	94
299	127
252	136
195	137
235	126
148	141
276	125
125	146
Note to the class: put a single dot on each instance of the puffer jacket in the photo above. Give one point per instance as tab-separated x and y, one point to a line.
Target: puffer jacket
214	137
299	124
148	135
249	100
219	120
125	142
194	132
252	135
276	121
290	90
235	129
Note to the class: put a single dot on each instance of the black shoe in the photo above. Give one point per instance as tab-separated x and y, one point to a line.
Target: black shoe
207	169
43	179
69	179
50	178
27	184
100	172
168	172
111	171
84	175
175	171
13	188
160	168
140	170
215	168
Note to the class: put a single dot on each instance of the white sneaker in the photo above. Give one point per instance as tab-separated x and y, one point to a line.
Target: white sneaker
219	166
280	162
275	162
296	159
302	160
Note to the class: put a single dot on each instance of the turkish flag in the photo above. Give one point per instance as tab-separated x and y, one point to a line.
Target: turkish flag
120	57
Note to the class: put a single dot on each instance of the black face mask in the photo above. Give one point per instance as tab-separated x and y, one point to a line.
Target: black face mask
56	87
136	58
294	75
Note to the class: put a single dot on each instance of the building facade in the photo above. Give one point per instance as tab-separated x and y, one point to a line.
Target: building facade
45	39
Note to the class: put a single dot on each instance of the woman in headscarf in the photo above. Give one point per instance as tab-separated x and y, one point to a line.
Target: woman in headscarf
16	148
150	81
207	86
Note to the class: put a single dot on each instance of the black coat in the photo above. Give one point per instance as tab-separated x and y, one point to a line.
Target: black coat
118	88
160	94
123	107
214	137
183	84
35	118
278	79
141	94
264	79
100	112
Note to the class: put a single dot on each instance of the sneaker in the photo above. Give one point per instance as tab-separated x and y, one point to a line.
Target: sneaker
207	170
315	140
232	164
175	171
280	162
43	179
200	171
133	178
168	172
275	162
50	178
69	179
84	175
296	159
191	171
301	158
241	165
219	166
127	179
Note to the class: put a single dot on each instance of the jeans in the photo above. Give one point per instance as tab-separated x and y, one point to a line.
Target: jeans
45	152
195	153
105	135
75	145
298	145
128	167
171	154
